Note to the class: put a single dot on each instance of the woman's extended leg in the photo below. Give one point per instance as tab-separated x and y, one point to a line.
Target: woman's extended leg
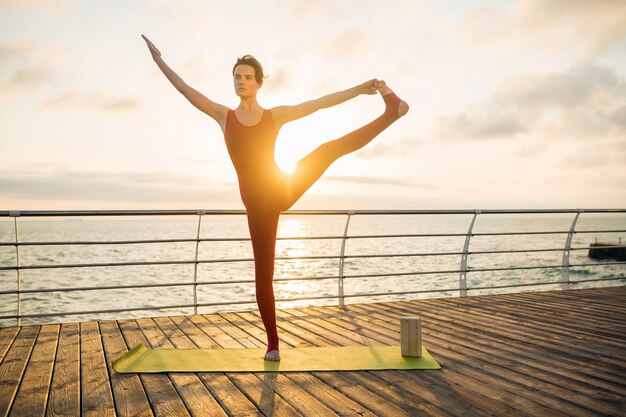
310	168
263	224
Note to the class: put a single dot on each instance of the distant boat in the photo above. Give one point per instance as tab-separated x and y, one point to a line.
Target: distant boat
599	250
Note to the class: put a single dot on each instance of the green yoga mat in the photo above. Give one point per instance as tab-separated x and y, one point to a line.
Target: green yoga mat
346	358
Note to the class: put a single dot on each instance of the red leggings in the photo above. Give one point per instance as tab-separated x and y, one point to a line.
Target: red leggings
263	217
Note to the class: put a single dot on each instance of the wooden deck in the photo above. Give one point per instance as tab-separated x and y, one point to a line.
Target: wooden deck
553	353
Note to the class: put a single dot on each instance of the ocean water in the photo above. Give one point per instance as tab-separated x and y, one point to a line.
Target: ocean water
229	273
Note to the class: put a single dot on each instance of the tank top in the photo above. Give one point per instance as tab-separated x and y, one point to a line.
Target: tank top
251	150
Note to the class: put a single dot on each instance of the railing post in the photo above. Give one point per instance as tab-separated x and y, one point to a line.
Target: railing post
195	265
342	259
565	282
463	276
15	214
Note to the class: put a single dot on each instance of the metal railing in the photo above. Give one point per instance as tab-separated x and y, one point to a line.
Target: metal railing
463	287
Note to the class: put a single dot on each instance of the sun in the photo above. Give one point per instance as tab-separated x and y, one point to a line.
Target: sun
287	165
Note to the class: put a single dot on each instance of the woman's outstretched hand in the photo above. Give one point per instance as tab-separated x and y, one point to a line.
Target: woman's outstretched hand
153	49
371	86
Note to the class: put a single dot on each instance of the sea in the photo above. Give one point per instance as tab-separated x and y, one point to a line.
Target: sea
232	279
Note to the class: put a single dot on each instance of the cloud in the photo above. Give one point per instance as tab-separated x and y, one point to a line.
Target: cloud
588	26
16	49
401	147
596	24
53	7
103	186
586	102
399	182
93	101
607	157
348	43
568	89
30	77
22	67
480	123
281	80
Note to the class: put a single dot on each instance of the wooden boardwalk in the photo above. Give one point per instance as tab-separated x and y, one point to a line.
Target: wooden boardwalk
553	353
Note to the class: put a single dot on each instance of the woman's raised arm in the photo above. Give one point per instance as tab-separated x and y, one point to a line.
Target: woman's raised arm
285	114
215	110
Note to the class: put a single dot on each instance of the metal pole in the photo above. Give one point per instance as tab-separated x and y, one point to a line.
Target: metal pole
15	215
463	276
565	282
195	265
342	259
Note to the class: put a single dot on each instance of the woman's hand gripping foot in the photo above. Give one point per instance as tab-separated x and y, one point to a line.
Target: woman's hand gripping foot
272	355
382	88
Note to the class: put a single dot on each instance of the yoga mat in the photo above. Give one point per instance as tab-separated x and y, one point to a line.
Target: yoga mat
346	358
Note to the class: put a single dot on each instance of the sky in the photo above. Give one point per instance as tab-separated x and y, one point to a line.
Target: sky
513	104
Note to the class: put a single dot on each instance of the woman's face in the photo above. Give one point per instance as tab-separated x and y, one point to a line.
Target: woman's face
244	82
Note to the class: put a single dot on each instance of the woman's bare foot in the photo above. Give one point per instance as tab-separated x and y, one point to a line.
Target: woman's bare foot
272	355
403	107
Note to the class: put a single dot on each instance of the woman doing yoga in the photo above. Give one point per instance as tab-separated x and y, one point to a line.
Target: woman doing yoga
250	135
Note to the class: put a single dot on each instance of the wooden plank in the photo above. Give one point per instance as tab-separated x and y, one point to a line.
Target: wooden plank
341	404
198	399
533	331
537	331
571	349
584	325
7	336
193	392
515	345
447	393
262	391
172	333
187	332
334	400
564	301
582	302
579	377
233	401
371	401
32	396
224	391
456	371
552	336
570	303
235	336
64	399
13	366
399	397
217	337
434	399
129	394
275	390
183	333
320	317
549	389
96	396
375	403
159	389
426	385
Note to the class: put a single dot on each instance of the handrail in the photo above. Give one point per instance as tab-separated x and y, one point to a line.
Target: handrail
99	213
287	258
463	287
281	238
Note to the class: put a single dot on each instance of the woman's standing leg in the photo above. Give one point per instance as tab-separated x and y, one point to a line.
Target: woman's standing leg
263	225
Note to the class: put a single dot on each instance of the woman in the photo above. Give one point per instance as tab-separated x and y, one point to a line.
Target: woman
250	134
